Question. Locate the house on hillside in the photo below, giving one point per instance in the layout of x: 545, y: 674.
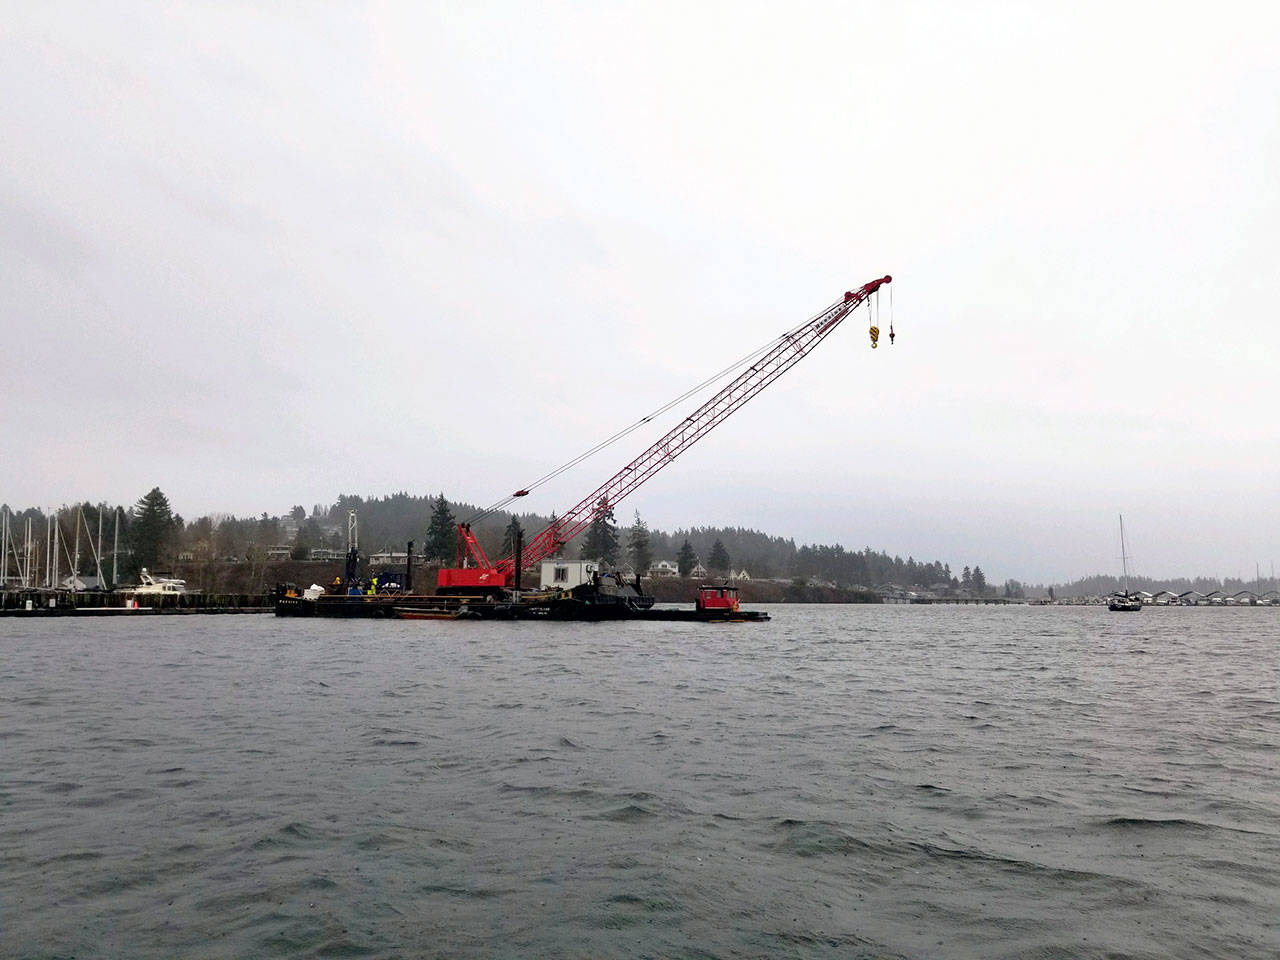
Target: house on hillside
x: 663, y: 569
x: 278, y: 552
x: 698, y: 571
x: 892, y: 593
x: 740, y: 575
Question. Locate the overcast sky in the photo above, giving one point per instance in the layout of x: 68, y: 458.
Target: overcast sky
x: 260, y: 255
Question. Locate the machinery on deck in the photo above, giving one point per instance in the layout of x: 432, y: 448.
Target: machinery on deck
x: 475, y: 575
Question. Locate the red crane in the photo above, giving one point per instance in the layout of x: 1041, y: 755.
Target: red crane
x: 785, y: 353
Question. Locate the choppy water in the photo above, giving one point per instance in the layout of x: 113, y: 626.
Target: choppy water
x: 841, y: 782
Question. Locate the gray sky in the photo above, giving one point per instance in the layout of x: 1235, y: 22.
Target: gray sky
x: 263, y: 254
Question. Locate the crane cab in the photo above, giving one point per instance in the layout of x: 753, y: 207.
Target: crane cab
x: 713, y: 597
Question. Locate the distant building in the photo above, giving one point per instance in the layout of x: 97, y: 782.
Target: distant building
x: 662, y: 569
x: 326, y: 554
x: 698, y: 570
x: 740, y: 575
x: 278, y: 552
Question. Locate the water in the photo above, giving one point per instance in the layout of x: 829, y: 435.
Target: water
x: 841, y: 782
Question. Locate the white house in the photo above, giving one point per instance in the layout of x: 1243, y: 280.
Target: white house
x: 567, y: 574
x: 740, y: 575
x: 662, y: 569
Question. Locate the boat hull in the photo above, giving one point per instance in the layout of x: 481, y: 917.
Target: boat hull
x: 563, y: 608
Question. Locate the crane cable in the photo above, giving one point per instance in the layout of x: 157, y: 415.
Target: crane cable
x: 505, y: 501
x: 891, y: 334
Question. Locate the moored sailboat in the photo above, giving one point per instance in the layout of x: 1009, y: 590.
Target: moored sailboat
x: 1124, y: 602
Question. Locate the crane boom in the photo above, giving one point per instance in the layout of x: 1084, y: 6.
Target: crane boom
x: 785, y: 354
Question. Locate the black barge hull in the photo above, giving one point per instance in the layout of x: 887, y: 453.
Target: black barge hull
x: 401, y: 607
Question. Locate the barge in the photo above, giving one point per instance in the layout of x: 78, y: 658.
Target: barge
x: 604, y: 598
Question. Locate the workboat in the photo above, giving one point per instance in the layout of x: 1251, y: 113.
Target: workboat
x: 1124, y: 602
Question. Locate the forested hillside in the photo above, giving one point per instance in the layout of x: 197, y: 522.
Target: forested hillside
x: 151, y: 534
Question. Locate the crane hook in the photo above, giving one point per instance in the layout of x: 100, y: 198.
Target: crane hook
x: 875, y: 337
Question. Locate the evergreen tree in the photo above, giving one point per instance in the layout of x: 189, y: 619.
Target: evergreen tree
x: 686, y: 559
x: 601, y: 541
x: 719, y: 559
x: 442, y: 533
x: 150, y: 529
x: 308, y: 537
x: 638, y: 547
x: 557, y: 541
x: 268, y: 531
x: 979, y: 582
x: 509, y: 535
x: 966, y: 578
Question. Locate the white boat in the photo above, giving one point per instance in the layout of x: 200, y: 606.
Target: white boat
x: 1124, y: 602
x: 153, y: 586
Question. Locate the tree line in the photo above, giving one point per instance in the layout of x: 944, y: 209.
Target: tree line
x: 152, y: 535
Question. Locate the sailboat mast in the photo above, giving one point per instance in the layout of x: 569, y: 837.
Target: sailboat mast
x: 1124, y: 559
x: 75, y: 564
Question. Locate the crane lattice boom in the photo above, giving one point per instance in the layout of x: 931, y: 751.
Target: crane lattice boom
x: 777, y: 361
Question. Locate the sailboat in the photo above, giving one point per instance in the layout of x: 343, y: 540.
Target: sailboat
x: 1124, y: 603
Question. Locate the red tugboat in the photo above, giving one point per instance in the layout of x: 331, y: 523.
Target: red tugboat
x: 723, y: 599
